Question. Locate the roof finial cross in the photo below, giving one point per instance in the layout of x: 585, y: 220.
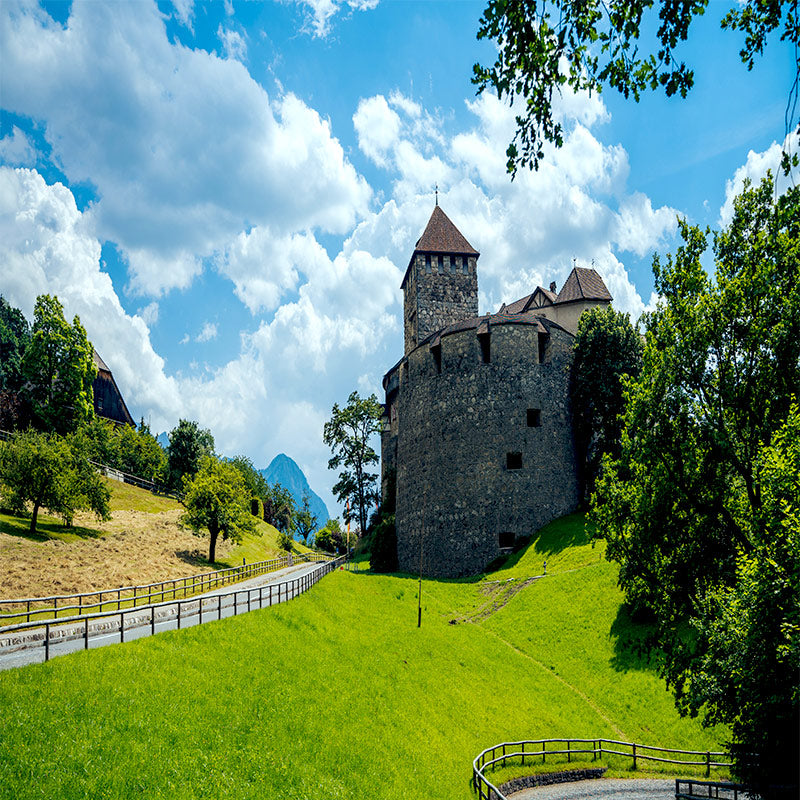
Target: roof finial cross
x: 436, y: 192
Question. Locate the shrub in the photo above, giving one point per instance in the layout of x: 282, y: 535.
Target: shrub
x: 257, y: 507
x: 384, y: 545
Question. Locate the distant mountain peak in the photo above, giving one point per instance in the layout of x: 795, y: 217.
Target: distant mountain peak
x: 284, y: 470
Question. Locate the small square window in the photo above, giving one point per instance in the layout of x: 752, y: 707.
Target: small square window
x: 513, y: 460
x: 534, y: 418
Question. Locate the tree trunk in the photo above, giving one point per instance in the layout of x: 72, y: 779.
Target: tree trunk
x: 212, y: 548
x: 34, y: 516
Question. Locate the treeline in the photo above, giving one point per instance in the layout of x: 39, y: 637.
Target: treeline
x: 46, y: 399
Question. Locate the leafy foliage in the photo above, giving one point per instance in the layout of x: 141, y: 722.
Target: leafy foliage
x: 686, y: 508
x: 58, y: 368
x: 331, y: 538
x: 131, y: 450
x: 347, y: 433
x: 188, y: 444
x: 384, y: 545
x: 216, y: 498
x: 305, y: 521
x: 544, y: 46
x: 279, y: 508
x: 607, y: 348
x: 45, y: 470
x: 14, y: 337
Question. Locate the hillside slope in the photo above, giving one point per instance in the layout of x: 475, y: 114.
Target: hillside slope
x: 383, y: 710
x: 143, y: 542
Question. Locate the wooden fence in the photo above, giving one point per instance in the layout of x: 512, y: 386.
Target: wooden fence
x: 535, y: 749
x: 689, y: 789
x: 145, y: 619
x: 42, y: 608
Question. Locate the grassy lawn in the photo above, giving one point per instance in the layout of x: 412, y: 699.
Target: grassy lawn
x: 339, y: 695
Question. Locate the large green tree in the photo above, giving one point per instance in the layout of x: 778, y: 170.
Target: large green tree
x: 305, y: 519
x: 607, y: 349
x: 216, y: 498
x: 45, y: 470
x: 58, y: 368
x: 347, y: 433
x: 188, y: 444
x: 14, y: 337
x: 545, y: 45
x: 685, y: 509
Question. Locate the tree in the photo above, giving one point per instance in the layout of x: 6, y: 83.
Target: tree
x: 49, y: 471
x: 331, y: 539
x: 14, y: 337
x: 686, y: 508
x: 217, y: 499
x: 305, y: 521
x: 347, y: 433
x: 543, y: 46
x: 607, y: 348
x: 188, y: 444
x: 280, y: 509
x: 58, y: 368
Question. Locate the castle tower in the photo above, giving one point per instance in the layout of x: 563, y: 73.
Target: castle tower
x: 440, y: 286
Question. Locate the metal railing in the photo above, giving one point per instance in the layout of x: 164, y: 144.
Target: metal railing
x: 535, y: 749
x: 145, y: 619
x: 43, y: 608
x: 689, y: 789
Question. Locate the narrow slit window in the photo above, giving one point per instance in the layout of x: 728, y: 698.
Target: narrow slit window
x: 542, y: 347
x: 437, y: 359
x: 513, y: 460
x: 427, y: 262
x: 440, y: 261
x: 486, y: 348
x: 466, y: 265
x: 534, y: 418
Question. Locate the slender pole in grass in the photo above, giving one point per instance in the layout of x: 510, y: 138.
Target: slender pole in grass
x: 421, y: 540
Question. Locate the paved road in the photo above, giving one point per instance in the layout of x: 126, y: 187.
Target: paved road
x: 28, y: 647
x: 601, y: 789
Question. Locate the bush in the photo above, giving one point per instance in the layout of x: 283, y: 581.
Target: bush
x: 384, y: 545
x: 257, y: 507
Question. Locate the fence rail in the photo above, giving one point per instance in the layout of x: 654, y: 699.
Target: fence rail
x: 689, y: 789
x: 42, y: 608
x: 146, y: 618
x: 535, y: 749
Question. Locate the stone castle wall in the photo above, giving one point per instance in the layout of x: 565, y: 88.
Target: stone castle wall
x: 437, y: 294
x: 455, y: 421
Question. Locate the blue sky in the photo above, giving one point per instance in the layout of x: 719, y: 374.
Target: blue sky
x: 228, y: 193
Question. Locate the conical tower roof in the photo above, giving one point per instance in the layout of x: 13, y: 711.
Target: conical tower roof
x: 442, y: 236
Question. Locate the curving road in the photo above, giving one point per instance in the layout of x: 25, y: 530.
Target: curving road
x: 601, y: 789
x: 18, y: 650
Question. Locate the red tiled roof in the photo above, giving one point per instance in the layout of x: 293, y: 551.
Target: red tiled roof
x: 583, y: 284
x: 441, y: 236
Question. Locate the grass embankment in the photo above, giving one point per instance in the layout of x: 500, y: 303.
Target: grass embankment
x: 142, y: 543
x: 339, y: 695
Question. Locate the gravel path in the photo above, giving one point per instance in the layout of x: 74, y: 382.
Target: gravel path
x: 602, y: 788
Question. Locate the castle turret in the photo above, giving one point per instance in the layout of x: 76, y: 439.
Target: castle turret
x: 440, y: 286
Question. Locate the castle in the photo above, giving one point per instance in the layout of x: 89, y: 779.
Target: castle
x: 477, y: 433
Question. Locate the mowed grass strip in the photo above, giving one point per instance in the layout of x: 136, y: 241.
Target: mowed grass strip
x: 336, y: 694
x: 143, y: 543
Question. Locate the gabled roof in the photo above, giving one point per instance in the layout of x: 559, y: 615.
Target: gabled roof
x: 108, y: 400
x: 583, y: 284
x: 442, y: 236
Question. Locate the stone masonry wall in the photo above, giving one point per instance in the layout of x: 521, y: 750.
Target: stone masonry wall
x: 439, y: 297
x: 454, y: 430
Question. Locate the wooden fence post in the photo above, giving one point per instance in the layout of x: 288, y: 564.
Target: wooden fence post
x: 634, y: 755
x: 86, y: 633
x: 47, y: 641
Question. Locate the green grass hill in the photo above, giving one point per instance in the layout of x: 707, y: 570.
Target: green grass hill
x: 338, y: 694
